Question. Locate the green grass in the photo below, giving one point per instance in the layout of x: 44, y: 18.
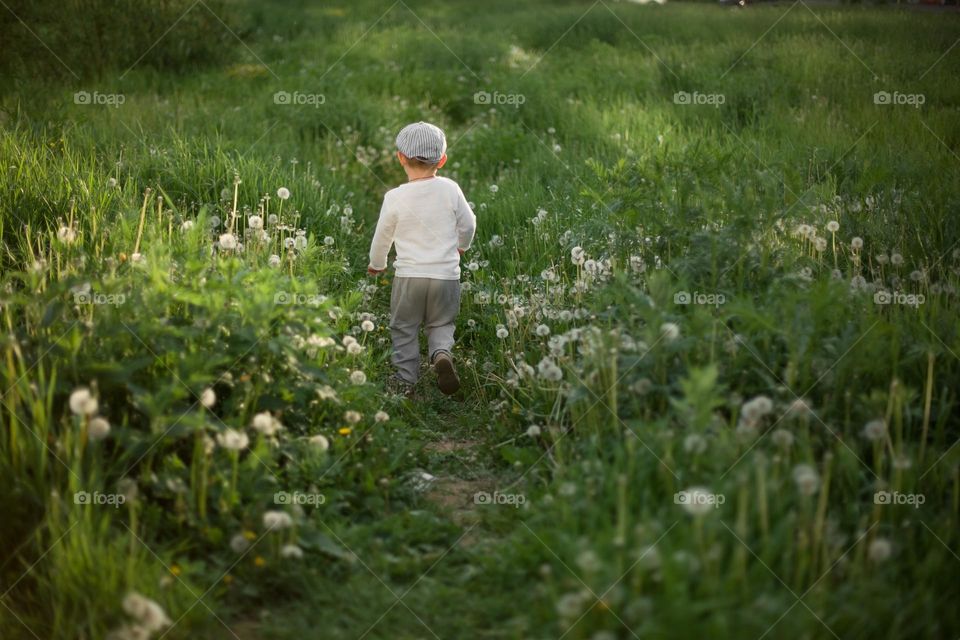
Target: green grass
x: 660, y: 198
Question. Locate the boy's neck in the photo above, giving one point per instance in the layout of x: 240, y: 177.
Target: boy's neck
x: 413, y: 176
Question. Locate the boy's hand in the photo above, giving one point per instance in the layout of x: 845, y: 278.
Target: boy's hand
x: 372, y: 272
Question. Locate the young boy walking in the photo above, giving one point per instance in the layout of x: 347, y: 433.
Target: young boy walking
x: 431, y: 224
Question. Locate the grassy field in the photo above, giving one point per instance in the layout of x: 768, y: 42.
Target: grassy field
x: 709, y: 331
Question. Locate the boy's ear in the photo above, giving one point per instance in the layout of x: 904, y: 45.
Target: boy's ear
x: 443, y: 161
x: 402, y: 158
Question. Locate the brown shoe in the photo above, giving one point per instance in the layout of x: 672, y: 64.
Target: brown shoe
x: 447, y: 379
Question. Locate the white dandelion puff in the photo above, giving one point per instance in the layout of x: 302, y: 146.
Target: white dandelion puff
x: 277, y: 520
x: 98, y: 429
x: 879, y: 550
x: 66, y: 235
x: 266, y: 423
x: 233, y: 440
x: 670, y: 331
x: 147, y: 612
x: 320, y: 442
x: 228, y: 242
x: 82, y: 402
x: 875, y: 430
x: 208, y: 398
x: 291, y: 551
x: 807, y: 479
x: 239, y: 543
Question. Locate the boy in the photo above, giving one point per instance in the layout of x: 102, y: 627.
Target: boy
x: 432, y: 225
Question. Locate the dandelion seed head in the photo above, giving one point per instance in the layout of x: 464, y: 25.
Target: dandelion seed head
x: 82, y: 402
x: 670, y: 331
x: 807, y: 479
x: 147, y: 612
x: 782, y: 438
x: 875, y: 430
x: 266, y: 424
x: 98, y: 429
x: 697, y: 501
x: 208, y: 398
x: 277, y: 520
x: 228, y: 241
x: 879, y: 550
x: 320, y: 442
x: 233, y: 440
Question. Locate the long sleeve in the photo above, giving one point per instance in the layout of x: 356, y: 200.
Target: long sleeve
x: 466, y: 222
x: 383, y: 237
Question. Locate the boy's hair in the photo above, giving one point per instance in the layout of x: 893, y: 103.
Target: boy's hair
x: 417, y: 163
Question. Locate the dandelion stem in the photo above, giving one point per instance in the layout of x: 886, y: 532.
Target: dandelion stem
x: 235, y: 455
x: 233, y: 210
x: 928, y: 399
x: 143, y: 216
x: 821, y: 516
x: 762, y: 501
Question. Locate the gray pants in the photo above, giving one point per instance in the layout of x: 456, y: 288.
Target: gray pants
x: 421, y: 301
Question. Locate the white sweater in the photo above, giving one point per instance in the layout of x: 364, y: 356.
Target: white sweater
x: 427, y: 220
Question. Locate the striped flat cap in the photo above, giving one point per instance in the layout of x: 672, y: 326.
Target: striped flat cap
x: 422, y: 141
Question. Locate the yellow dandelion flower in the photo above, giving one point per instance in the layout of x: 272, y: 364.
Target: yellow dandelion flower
x: 344, y: 431
x: 175, y: 570
x: 249, y: 535
x: 259, y: 561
